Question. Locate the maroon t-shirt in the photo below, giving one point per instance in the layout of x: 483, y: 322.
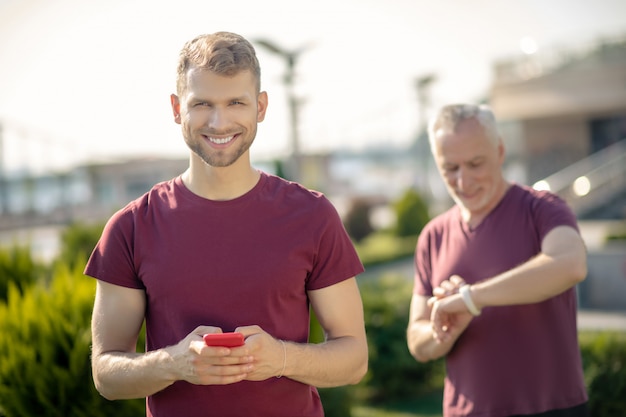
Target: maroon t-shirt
x: 247, y: 261
x: 513, y: 359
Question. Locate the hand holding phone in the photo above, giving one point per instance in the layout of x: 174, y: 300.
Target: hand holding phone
x: 232, y: 339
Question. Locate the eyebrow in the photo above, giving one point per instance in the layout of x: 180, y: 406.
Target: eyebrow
x: 474, y: 160
x: 202, y: 100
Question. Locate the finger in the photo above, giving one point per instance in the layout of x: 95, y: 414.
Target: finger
x: 222, y: 375
x: 431, y: 301
x: 435, y: 321
x: 457, y: 281
x: 439, y: 292
x: 249, y: 330
x: 208, y: 351
x: 438, y: 333
x: 446, y: 285
x: 202, y: 330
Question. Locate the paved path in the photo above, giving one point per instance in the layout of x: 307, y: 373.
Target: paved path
x: 602, y: 320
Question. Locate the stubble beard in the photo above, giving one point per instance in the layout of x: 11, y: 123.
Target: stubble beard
x: 217, y: 158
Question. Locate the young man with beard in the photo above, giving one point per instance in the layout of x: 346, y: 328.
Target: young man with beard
x: 222, y: 248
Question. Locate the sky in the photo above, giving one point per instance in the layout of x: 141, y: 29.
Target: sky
x: 85, y: 80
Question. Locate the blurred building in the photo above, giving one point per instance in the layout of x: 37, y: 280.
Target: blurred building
x: 33, y: 209
x: 563, y: 116
x: 88, y: 193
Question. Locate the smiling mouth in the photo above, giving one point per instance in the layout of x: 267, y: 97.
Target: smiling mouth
x: 220, y: 141
x: 467, y: 195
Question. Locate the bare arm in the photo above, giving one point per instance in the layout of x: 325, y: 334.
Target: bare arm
x: 561, y: 264
x: 420, y: 336
x: 119, y: 372
x: 340, y: 360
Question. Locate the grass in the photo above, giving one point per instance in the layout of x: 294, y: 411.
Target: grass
x: 428, y: 406
x: 380, y: 248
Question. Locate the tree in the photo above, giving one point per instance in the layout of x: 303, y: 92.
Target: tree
x: 411, y: 214
x: 357, y: 221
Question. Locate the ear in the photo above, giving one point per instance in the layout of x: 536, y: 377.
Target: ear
x: 501, y: 151
x: 175, y: 107
x: 261, y: 106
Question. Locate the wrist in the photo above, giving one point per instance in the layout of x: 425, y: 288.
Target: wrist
x: 282, y: 372
x: 466, y: 294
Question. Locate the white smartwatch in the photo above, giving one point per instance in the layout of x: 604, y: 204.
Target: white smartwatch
x: 467, y: 299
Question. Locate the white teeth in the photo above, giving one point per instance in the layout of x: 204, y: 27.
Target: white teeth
x: 221, y: 141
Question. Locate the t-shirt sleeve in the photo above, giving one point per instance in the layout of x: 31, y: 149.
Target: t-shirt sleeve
x: 550, y: 211
x: 336, y: 259
x: 112, y: 259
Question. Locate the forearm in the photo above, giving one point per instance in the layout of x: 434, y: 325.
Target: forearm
x: 123, y: 375
x: 422, y: 344
x: 337, y: 362
x: 538, y: 279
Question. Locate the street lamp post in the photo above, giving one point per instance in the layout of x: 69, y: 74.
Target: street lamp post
x: 422, y: 85
x: 290, y: 58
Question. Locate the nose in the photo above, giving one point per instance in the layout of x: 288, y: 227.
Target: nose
x: 217, y: 118
x: 461, y: 178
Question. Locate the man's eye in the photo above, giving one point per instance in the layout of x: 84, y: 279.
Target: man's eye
x: 201, y: 104
x: 236, y: 102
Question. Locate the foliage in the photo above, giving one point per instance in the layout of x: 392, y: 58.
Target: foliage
x: 17, y: 267
x: 45, y: 348
x: 393, y: 373
x: 381, y: 247
x: 604, y: 363
x: 78, y: 241
x: 422, y: 406
x: 279, y: 167
x: 616, y: 236
x: 411, y: 213
x: 357, y: 220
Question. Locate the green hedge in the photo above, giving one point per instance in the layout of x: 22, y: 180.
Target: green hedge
x: 393, y: 373
x: 45, y: 361
x: 604, y: 362
x: 17, y: 268
x: 381, y: 247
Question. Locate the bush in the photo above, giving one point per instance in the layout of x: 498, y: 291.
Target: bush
x: 393, y: 373
x: 357, y: 221
x: 44, y: 352
x: 411, y: 213
x: 77, y: 242
x: 17, y: 267
x: 604, y: 363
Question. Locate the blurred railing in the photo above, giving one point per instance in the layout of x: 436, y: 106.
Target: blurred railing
x: 591, y: 182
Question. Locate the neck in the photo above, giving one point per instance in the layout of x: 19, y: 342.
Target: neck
x: 220, y: 184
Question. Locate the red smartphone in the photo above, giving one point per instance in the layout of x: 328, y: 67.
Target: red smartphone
x: 233, y: 339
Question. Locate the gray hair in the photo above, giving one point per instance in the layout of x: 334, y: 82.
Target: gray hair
x: 450, y: 116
